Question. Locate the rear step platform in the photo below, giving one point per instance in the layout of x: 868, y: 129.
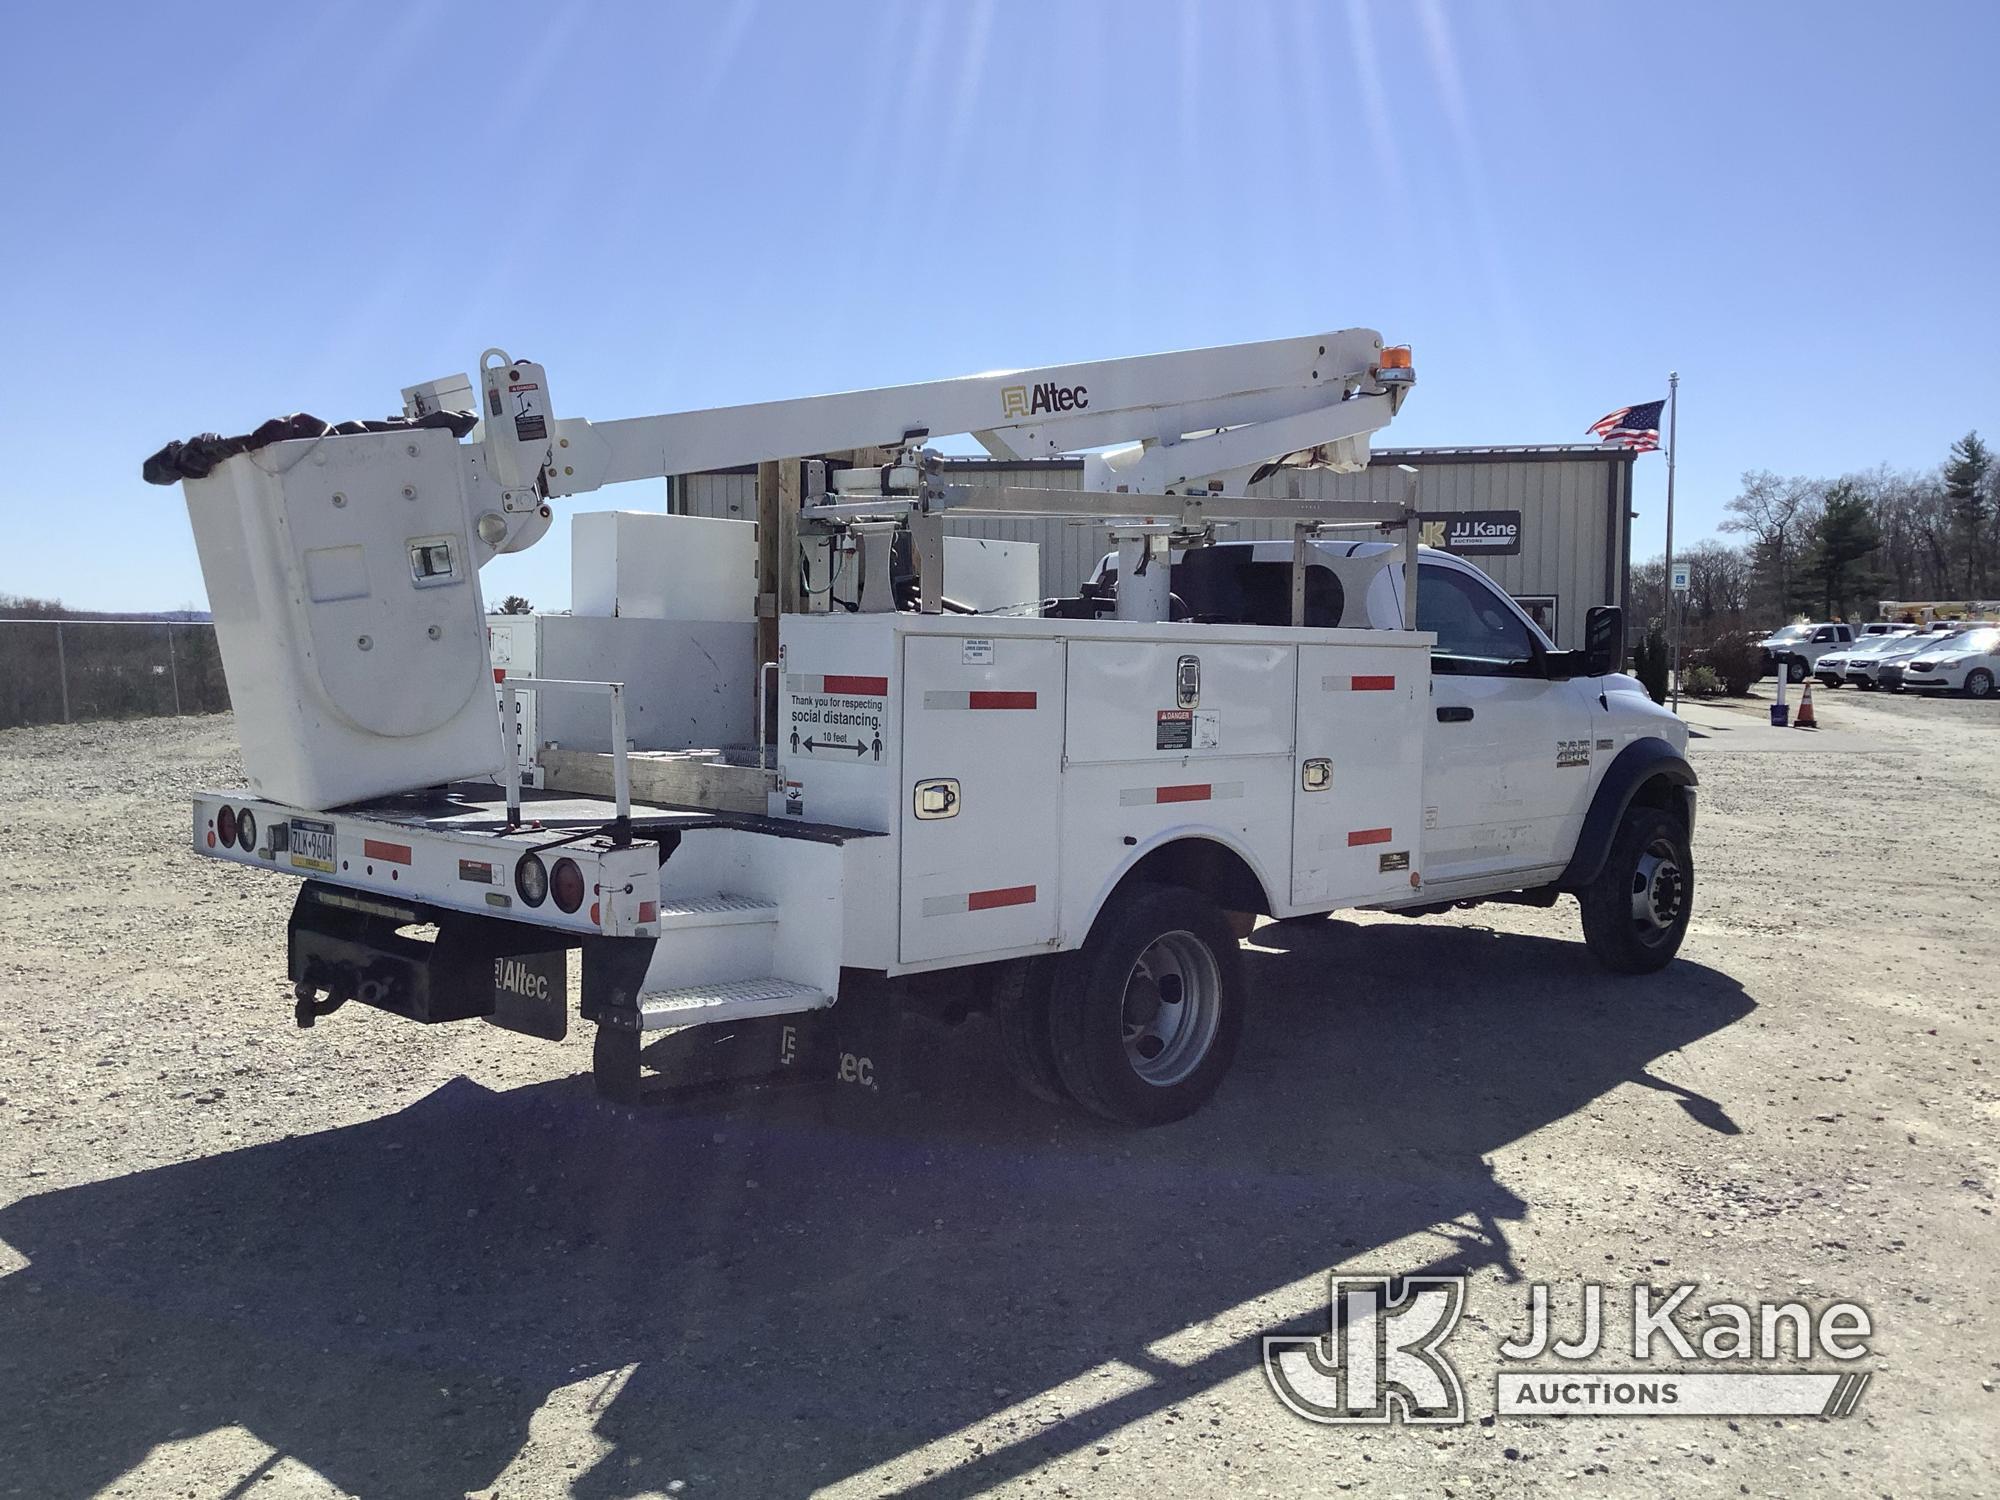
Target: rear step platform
x: 705, y: 1004
x: 714, y: 911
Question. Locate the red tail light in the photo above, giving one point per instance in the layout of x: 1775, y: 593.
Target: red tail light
x: 566, y: 884
x: 225, y: 825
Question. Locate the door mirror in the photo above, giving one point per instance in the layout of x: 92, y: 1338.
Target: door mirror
x: 1603, y: 640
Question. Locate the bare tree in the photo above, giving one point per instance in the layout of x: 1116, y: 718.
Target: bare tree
x: 1776, y: 512
x: 1718, y: 581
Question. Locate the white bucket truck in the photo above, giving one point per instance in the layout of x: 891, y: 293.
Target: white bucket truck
x: 1069, y: 815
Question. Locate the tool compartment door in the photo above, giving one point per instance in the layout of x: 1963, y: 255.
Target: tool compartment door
x: 982, y: 758
x: 1357, y: 786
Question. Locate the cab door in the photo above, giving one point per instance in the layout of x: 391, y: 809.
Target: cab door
x: 1507, y: 765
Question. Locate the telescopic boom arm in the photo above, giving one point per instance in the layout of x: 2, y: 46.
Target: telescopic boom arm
x: 1199, y: 419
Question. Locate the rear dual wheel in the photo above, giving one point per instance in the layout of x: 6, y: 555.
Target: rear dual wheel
x: 1140, y: 1024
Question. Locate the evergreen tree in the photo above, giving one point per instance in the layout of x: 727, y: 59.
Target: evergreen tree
x: 1842, y: 538
x: 1971, y: 500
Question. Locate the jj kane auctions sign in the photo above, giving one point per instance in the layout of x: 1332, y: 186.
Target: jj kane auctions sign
x: 1472, y: 533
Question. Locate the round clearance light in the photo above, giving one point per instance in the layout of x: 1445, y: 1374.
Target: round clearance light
x: 568, y: 884
x: 246, y: 830
x: 225, y: 825
x: 531, y: 879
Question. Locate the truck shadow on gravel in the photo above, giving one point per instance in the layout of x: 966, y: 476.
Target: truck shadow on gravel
x: 777, y: 1293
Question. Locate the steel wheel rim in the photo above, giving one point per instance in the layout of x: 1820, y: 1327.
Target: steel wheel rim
x: 1659, y: 891
x: 1979, y: 684
x: 1171, y: 1008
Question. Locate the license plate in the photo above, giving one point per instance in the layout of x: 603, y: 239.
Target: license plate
x: 312, y: 845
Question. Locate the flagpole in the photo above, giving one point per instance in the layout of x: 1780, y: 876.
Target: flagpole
x: 1673, y: 452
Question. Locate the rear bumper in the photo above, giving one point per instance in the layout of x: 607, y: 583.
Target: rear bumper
x: 406, y: 861
x: 348, y: 947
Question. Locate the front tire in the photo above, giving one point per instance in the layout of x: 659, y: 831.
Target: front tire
x: 1145, y: 1017
x: 1635, y: 913
x: 1795, y: 670
x: 1979, y: 683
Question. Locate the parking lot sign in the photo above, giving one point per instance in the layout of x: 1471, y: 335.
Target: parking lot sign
x: 1681, y: 572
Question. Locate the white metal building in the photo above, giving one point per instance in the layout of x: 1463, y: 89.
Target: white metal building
x: 1550, y: 524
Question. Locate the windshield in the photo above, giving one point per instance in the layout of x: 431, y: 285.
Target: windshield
x: 1970, y: 640
x: 1789, y: 633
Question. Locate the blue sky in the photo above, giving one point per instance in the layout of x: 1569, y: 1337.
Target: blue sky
x: 275, y: 208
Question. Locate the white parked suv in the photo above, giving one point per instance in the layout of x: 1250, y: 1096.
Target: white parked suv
x: 1832, y: 668
x: 1797, y: 648
x: 1967, y: 663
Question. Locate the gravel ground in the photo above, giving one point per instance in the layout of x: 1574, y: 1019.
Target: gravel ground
x: 375, y: 1259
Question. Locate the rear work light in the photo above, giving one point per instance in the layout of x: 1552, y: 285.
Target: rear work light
x: 246, y: 830
x: 567, y: 883
x: 531, y: 879
x: 225, y: 824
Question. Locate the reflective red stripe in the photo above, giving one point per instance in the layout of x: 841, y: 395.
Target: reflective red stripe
x: 499, y: 674
x: 1013, y: 895
x: 649, y: 911
x: 395, y: 854
x: 1182, y: 793
x: 1373, y: 684
x: 1367, y: 836
x: 855, y: 687
x: 1002, y: 700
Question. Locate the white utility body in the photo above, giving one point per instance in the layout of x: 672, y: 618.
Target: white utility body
x: 1066, y: 814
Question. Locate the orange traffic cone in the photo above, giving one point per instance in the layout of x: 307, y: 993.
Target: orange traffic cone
x: 1805, y: 719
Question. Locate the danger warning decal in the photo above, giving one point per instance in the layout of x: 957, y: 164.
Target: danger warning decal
x: 1187, y: 729
x: 836, y: 718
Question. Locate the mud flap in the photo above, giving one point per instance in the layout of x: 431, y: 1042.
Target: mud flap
x: 857, y: 1045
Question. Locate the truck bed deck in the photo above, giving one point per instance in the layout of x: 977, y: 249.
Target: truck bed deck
x: 478, y: 807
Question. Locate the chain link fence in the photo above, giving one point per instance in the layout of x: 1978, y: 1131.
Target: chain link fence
x: 67, y: 671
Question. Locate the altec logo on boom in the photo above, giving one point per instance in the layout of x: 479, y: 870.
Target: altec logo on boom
x: 1020, y: 401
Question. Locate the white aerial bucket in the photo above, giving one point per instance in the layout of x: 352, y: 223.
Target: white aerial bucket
x: 345, y: 590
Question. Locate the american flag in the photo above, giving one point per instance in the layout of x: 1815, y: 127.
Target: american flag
x: 1635, y: 427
